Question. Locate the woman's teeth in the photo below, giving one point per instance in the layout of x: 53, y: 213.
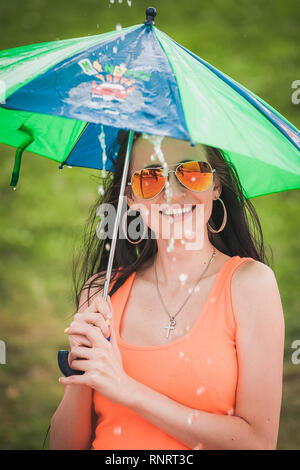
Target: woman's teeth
x: 177, y: 211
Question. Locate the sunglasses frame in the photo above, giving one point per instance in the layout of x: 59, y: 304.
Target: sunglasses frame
x: 173, y: 171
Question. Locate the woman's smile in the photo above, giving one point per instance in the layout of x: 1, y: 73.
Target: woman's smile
x: 177, y: 212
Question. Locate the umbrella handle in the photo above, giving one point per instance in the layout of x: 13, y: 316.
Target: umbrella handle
x: 62, y: 359
x: 62, y: 354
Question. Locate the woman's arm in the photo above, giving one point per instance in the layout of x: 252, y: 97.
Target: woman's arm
x: 71, y: 424
x: 260, y: 346
x: 73, y: 421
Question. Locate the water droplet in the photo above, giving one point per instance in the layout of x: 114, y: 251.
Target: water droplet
x: 118, y: 27
x: 198, y: 446
x: 200, y: 390
x: 183, y: 277
x: 112, y: 1
x: 118, y: 430
x: 190, y: 290
x: 107, y: 246
x: 129, y: 2
x: 97, y: 26
x: 69, y: 166
x: 115, y: 49
x: 189, y: 234
x: 192, y: 417
x: 180, y: 331
x: 170, y: 247
x: 181, y: 354
x: 153, y: 158
x: 101, y: 190
x: 213, y: 299
x: 197, y: 288
x: 174, y: 258
x: 103, y: 146
x: 182, y: 242
x: 230, y: 412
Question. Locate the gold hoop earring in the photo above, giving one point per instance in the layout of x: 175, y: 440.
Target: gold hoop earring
x: 124, y: 231
x: 224, y: 219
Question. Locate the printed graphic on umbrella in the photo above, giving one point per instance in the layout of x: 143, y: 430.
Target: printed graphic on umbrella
x: 61, y: 96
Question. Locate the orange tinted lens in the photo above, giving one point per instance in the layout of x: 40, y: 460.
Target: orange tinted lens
x: 195, y: 175
x: 147, y: 183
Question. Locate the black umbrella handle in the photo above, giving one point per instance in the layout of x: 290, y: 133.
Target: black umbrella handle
x: 62, y: 359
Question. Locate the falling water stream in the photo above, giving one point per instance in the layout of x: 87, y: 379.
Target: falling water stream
x: 104, y: 158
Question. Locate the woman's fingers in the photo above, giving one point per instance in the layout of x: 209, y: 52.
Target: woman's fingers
x: 79, y: 340
x: 96, y: 319
x: 100, y: 305
x: 80, y: 353
x: 81, y: 364
x: 92, y: 334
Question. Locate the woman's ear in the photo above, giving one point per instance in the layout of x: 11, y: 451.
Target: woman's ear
x: 217, y: 188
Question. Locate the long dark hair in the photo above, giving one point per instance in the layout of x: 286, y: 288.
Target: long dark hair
x: 241, y: 236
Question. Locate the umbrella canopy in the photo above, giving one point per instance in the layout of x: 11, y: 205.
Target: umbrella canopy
x: 60, y: 95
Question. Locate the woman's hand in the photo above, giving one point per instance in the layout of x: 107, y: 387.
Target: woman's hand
x: 91, y: 316
x: 102, y: 361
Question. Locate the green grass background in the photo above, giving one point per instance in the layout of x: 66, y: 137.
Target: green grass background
x: 254, y: 42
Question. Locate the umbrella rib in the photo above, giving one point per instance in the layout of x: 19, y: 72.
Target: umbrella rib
x: 77, y: 140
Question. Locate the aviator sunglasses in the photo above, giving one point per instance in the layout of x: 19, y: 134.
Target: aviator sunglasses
x: 148, y: 183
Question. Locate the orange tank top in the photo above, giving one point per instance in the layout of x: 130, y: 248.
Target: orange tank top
x: 198, y: 370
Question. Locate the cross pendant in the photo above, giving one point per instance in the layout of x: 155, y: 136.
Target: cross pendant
x: 170, y: 326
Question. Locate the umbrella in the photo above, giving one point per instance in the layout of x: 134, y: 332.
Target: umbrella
x: 67, y: 100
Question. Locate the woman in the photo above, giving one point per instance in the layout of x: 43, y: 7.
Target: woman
x: 195, y: 356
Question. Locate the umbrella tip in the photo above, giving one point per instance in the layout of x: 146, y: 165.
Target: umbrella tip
x: 150, y: 14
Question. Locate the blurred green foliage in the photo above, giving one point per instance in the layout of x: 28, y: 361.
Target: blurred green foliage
x: 257, y: 44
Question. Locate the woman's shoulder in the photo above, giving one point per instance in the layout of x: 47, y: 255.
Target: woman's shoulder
x: 253, y: 289
x: 251, y: 272
x: 90, y: 289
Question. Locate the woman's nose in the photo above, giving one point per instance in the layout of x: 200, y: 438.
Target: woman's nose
x: 176, y: 189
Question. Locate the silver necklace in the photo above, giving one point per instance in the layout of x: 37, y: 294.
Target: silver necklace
x: 172, y: 322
